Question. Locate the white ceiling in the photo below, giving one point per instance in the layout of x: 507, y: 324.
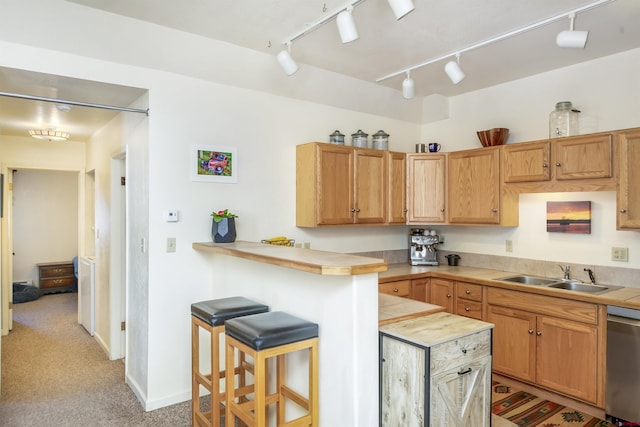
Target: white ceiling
x: 435, y: 28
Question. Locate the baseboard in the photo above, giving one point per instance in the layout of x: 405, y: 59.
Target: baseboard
x: 554, y: 397
x: 135, y: 387
x: 102, y: 343
x: 151, y: 405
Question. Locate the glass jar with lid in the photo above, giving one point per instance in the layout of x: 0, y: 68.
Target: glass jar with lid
x: 563, y: 121
x: 360, y: 139
x: 336, y: 138
x: 380, y: 140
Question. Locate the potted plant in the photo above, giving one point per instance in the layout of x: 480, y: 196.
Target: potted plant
x: 223, y: 227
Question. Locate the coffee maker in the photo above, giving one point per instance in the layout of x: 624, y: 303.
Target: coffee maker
x: 422, y: 247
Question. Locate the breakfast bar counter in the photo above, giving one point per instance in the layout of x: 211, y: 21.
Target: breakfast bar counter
x: 339, y: 292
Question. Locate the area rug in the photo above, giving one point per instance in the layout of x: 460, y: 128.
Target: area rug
x: 526, y: 410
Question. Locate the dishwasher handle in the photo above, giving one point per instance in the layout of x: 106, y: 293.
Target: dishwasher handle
x: 623, y: 320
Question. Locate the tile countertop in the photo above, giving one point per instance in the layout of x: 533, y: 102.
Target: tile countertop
x: 623, y: 297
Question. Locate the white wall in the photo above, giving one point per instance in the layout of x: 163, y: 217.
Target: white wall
x: 45, y: 220
x: 607, y: 91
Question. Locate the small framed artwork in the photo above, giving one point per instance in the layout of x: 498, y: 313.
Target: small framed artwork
x: 569, y: 217
x: 211, y: 163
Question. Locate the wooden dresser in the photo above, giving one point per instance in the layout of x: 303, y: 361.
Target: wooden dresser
x: 56, y: 276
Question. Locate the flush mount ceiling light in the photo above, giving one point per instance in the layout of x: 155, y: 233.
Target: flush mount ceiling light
x: 408, y: 87
x: 347, y: 26
x: 456, y: 74
x: 401, y: 7
x: 571, y: 38
x: 50, y: 134
x: 454, y: 71
x: 286, y: 61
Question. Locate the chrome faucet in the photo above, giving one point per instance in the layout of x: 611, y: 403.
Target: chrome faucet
x: 567, y: 271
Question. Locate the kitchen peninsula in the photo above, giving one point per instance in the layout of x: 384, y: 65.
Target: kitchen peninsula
x: 337, y: 291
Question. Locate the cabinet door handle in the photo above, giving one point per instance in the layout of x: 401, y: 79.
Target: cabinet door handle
x: 468, y: 291
x: 395, y: 289
x: 545, y: 165
x: 558, y: 164
x: 539, y: 333
x: 357, y: 209
x: 466, y: 371
x: 467, y: 309
x: 353, y: 209
x: 448, y: 295
x: 530, y: 331
x: 442, y: 210
x: 623, y: 210
x: 494, y: 210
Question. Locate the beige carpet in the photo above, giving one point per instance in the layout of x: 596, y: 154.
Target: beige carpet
x: 55, y: 374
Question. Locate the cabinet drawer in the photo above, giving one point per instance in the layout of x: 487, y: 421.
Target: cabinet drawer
x: 460, y: 351
x: 399, y: 289
x: 469, y: 291
x: 57, y: 282
x: 56, y: 271
x: 468, y: 308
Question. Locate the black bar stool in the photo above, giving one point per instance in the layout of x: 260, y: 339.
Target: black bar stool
x: 211, y: 316
x: 261, y: 337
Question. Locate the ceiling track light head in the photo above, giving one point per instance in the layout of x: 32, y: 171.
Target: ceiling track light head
x: 347, y: 25
x: 571, y: 38
x: 401, y: 8
x: 287, y: 63
x: 453, y: 70
x: 408, y: 87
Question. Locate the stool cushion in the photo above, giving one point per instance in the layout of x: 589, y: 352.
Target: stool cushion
x: 216, y: 312
x: 267, y: 330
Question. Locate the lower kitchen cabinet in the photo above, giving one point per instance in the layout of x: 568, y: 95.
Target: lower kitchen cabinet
x: 431, y: 379
x: 550, y: 342
x: 441, y: 293
x: 420, y: 289
x: 400, y: 288
x: 469, y: 297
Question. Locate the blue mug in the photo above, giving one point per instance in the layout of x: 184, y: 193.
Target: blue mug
x: 434, y: 147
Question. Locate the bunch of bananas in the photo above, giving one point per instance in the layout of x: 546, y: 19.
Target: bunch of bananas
x: 279, y: 240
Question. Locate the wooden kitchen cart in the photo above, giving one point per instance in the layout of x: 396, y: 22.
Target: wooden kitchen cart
x: 56, y: 276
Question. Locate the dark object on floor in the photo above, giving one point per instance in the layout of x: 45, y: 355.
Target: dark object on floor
x: 25, y: 293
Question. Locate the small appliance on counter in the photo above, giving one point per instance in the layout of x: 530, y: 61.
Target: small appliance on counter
x: 422, y: 247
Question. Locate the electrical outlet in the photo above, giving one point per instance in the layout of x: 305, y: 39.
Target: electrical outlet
x: 306, y: 245
x: 171, y: 244
x: 620, y: 254
x: 508, y: 245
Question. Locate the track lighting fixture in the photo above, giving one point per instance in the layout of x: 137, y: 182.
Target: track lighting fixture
x: 408, y: 87
x: 401, y: 7
x: 571, y: 38
x: 286, y: 61
x: 454, y: 71
x: 346, y: 25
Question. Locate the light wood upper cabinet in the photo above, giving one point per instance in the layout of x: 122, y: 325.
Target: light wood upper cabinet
x: 474, y: 186
x: 583, y: 157
x: 426, y: 189
x: 628, y: 217
x: 370, y: 180
x: 526, y: 162
x: 338, y: 185
x: 396, y: 188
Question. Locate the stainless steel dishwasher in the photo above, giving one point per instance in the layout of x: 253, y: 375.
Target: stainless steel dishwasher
x: 623, y: 364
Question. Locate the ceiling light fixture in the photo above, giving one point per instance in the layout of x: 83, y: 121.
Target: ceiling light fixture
x: 453, y: 70
x: 50, y: 134
x: 408, y: 87
x: 346, y: 25
x: 571, y: 38
x: 287, y: 63
x: 493, y: 40
x: 401, y: 7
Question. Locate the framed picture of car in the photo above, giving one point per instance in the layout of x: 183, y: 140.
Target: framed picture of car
x: 212, y: 163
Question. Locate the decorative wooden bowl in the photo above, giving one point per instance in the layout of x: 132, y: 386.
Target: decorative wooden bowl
x: 493, y: 137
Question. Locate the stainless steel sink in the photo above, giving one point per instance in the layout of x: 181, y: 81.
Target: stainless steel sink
x: 528, y: 280
x: 579, y: 287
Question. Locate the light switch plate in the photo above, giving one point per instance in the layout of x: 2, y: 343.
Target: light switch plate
x: 620, y: 254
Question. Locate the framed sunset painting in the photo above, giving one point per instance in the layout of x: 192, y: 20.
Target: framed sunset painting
x: 569, y: 217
